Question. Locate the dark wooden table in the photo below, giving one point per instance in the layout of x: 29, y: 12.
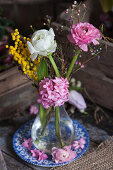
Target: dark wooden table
x: 9, y: 126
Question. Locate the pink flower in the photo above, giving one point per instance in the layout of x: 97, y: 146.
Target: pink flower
x: 79, y: 144
x: 63, y: 155
x: 83, y: 34
x: 39, y: 155
x: 53, y: 92
x: 77, y: 100
x: 33, y: 109
x: 35, y: 153
x: 27, y: 143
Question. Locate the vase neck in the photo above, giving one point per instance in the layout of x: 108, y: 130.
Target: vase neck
x: 63, y: 112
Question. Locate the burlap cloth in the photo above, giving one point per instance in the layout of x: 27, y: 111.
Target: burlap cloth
x: 100, y: 159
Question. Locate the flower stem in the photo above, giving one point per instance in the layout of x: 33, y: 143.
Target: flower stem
x: 58, y: 126
x: 42, y: 115
x: 72, y: 65
x: 46, y: 120
x: 54, y: 65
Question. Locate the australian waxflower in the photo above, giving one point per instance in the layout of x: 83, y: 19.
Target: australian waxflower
x: 42, y: 43
x: 83, y: 34
x: 21, y: 54
x: 53, y: 92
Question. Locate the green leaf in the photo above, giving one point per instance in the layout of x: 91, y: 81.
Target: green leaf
x: 2, y: 32
x: 42, y: 70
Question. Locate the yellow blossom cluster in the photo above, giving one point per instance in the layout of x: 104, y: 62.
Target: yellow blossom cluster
x: 22, y: 55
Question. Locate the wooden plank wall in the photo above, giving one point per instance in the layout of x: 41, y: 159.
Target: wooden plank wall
x: 16, y: 92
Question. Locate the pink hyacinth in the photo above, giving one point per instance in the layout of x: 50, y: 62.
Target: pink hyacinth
x: 83, y: 34
x: 53, y: 92
x: 33, y: 109
x: 39, y: 155
x: 79, y: 144
x: 27, y: 143
x: 63, y: 155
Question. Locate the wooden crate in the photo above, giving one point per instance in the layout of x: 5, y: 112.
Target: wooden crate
x: 16, y: 92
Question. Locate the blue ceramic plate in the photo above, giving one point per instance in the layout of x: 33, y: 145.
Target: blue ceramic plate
x: 25, y: 132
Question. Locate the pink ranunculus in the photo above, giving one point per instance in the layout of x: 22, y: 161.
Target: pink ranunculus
x: 77, y: 100
x: 63, y: 155
x: 53, y: 92
x: 83, y: 34
x: 79, y: 144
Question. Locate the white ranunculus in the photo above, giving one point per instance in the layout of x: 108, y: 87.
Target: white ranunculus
x: 42, y: 43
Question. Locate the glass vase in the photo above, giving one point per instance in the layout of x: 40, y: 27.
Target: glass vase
x: 48, y: 139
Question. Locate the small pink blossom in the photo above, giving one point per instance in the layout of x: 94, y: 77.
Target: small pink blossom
x: 63, y: 155
x: 35, y: 153
x: 79, y: 144
x: 27, y: 143
x: 39, y: 155
x: 33, y: 109
x: 83, y: 34
x: 53, y: 92
x: 82, y: 66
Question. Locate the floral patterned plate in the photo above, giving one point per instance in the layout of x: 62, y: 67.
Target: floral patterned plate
x: 25, y: 132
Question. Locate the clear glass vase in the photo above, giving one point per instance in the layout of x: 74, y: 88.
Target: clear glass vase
x: 49, y: 139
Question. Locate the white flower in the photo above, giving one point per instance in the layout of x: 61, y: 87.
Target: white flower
x: 42, y: 43
x: 77, y: 100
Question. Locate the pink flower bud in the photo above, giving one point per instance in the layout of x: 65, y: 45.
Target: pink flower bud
x: 77, y: 100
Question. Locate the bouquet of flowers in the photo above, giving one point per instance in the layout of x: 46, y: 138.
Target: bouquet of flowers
x: 38, y: 60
